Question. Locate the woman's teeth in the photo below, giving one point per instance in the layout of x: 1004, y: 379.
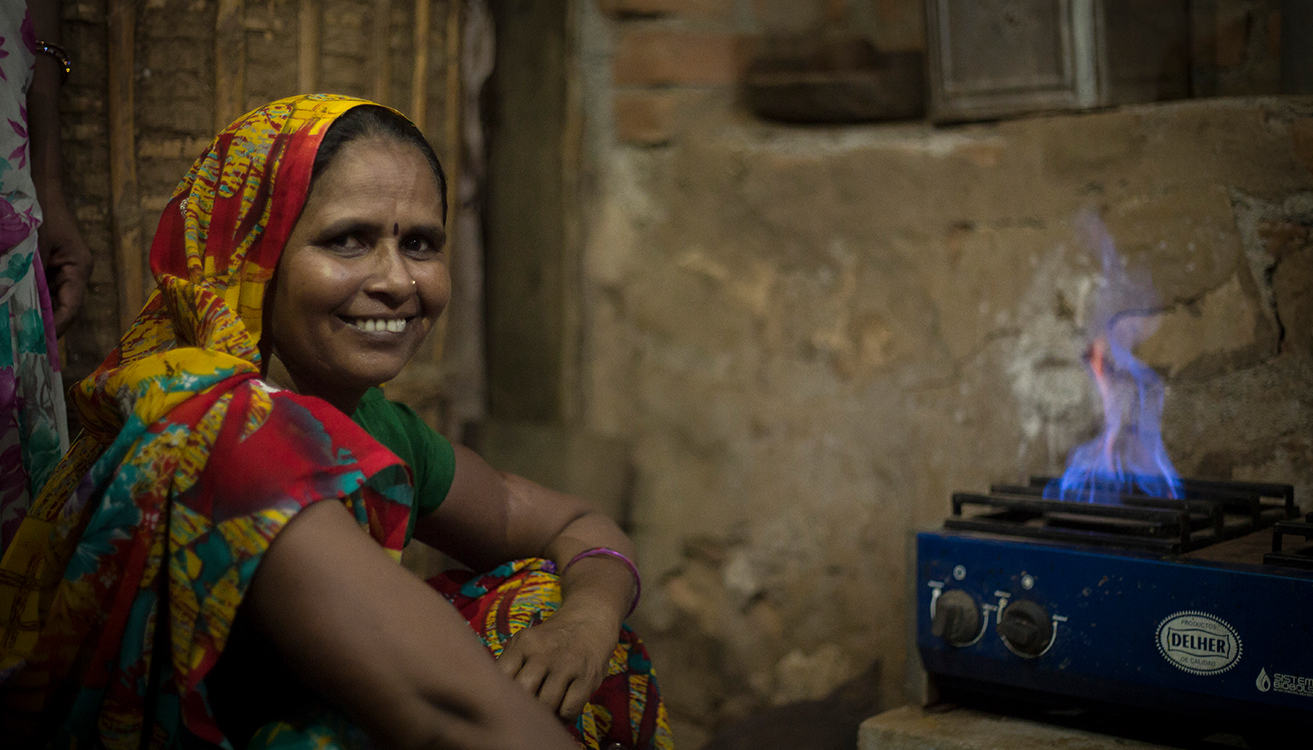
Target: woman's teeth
x: 391, y: 325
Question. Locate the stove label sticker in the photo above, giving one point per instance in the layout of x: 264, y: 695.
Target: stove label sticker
x: 1198, y: 643
x: 1285, y: 683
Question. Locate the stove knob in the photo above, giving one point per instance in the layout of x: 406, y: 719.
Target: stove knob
x: 957, y: 618
x: 1025, y: 627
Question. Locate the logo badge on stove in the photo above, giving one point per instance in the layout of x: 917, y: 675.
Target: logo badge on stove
x: 1198, y: 643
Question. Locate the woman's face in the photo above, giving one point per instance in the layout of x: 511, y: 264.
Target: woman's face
x: 363, y: 275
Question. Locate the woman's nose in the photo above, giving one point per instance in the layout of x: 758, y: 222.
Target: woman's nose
x: 390, y: 273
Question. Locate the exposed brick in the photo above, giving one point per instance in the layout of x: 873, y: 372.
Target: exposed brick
x: 1274, y: 35
x: 709, y: 10
x: 789, y: 16
x: 899, y: 25
x: 1290, y: 287
x: 660, y: 57
x: 1301, y: 140
x: 648, y: 118
x: 1283, y: 237
x: 1232, y: 36
x: 170, y: 148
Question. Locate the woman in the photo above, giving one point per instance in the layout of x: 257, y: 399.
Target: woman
x: 44, y: 264
x: 299, y: 265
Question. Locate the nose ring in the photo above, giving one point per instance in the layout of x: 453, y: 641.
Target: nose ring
x: 413, y: 282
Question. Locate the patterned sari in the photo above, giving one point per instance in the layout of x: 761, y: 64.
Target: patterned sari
x: 120, y: 587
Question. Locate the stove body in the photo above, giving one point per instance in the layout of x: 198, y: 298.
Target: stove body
x: 1179, y: 617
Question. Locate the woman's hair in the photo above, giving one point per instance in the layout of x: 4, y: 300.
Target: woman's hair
x: 368, y: 121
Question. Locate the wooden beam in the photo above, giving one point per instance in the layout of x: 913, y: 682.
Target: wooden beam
x: 308, y: 25
x: 381, y: 52
x: 419, y: 78
x: 451, y: 158
x: 572, y: 164
x: 524, y: 248
x: 125, y: 210
x: 454, y: 121
x: 229, y: 62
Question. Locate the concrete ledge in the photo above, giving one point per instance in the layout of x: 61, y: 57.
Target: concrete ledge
x: 914, y: 728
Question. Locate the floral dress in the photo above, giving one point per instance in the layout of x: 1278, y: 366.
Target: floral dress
x: 33, y: 432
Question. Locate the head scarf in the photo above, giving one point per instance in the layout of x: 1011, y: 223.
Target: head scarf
x: 189, y: 468
x: 214, y: 252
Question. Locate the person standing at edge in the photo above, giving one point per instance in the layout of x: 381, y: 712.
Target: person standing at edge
x: 43, y: 259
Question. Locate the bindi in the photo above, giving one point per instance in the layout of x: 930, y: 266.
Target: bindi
x: 396, y: 229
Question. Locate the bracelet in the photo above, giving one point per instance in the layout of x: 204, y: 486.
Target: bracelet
x: 60, y: 55
x: 608, y: 552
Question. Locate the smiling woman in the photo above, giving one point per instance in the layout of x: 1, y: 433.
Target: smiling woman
x: 363, y: 275
x: 179, y: 580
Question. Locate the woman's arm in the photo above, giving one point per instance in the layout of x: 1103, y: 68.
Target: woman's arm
x: 383, y: 646
x: 67, y: 260
x: 490, y: 517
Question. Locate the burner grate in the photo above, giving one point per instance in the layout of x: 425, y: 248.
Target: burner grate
x: 1210, y: 512
x: 1298, y: 558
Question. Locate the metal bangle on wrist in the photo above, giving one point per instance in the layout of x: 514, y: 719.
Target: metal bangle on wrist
x: 61, y: 57
x: 608, y: 552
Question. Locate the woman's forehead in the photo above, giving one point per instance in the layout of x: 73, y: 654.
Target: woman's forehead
x: 376, y: 168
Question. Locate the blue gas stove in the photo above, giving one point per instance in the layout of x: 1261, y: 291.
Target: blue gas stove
x: 1199, y: 608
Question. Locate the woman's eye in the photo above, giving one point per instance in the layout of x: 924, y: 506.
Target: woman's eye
x: 347, y: 244
x: 419, y: 247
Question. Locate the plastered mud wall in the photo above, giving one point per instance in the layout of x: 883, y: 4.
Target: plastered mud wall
x: 813, y: 336
x: 812, y: 339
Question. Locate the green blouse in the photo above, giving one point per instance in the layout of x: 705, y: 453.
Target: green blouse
x: 430, y: 456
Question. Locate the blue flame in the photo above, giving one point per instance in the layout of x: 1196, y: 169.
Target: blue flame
x: 1128, y: 455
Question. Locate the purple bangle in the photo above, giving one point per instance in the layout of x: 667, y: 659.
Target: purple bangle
x: 607, y: 551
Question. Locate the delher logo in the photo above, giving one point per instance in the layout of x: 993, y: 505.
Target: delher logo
x: 1198, y: 643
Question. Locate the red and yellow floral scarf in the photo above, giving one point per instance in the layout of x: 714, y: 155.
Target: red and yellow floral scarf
x: 161, y: 512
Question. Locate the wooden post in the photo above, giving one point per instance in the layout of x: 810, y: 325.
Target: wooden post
x: 381, y: 52
x: 454, y: 115
x: 229, y: 63
x: 308, y: 22
x: 572, y: 164
x: 451, y: 132
x: 419, y: 79
x: 125, y: 208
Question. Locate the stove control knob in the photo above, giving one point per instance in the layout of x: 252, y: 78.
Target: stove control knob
x: 957, y: 618
x: 1025, y: 627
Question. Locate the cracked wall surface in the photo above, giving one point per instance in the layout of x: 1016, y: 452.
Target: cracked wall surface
x: 813, y: 337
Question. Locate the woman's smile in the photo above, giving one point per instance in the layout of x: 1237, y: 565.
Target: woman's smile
x: 363, y: 275
x: 379, y: 325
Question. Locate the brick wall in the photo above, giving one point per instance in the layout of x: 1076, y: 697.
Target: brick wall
x: 671, y: 56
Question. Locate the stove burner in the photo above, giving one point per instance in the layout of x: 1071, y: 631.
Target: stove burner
x: 1115, y: 606
x: 1210, y: 512
x: 1299, y: 558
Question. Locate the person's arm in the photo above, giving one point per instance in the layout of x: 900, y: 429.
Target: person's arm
x: 67, y: 260
x: 490, y: 517
x: 383, y: 646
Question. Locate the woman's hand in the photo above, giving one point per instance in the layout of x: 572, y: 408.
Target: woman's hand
x: 491, y: 517
x: 67, y: 260
x: 563, y: 660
